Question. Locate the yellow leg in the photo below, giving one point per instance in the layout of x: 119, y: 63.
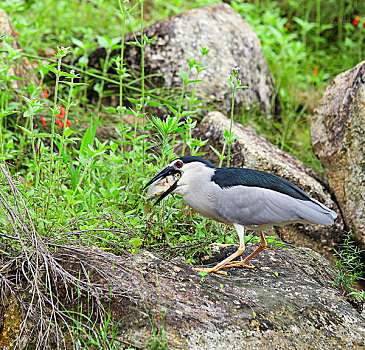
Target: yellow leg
x: 243, y: 263
x: 241, y: 233
x: 222, y: 264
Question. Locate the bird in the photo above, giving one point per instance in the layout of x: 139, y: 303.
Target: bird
x: 240, y: 197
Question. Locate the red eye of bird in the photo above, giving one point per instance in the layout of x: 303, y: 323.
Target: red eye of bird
x: 179, y: 164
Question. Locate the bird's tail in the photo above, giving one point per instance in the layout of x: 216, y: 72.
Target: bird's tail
x: 318, y: 213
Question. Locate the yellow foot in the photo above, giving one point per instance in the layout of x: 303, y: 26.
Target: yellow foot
x: 208, y: 270
x: 237, y: 264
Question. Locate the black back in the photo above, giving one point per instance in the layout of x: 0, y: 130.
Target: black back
x: 229, y: 177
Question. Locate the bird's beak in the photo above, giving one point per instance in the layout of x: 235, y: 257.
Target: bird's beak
x: 163, y: 187
x: 161, y: 175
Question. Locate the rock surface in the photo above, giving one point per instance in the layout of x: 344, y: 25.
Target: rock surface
x: 253, y: 151
x: 338, y: 139
x: 287, y: 302
x: 232, y: 43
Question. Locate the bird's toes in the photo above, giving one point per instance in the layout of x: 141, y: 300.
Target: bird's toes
x: 238, y: 264
x: 209, y: 270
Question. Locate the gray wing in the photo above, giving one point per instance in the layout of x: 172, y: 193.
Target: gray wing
x: 256, y: 206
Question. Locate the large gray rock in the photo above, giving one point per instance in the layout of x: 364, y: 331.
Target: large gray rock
x: 338, y: 139
x: 287, y: 302
x: 253, y: 151
x: 232, y: 43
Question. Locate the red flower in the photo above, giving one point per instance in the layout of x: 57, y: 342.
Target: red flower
x: 43, y: 121
x: 68, y: 123
x: 315, y: 71
x: 62, y: 112
x: 356, y: 21
x: 59, y: 123
x: 16, y: 33
x: 45, y: 93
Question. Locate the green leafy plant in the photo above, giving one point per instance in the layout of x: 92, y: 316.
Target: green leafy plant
x: 348, y: 265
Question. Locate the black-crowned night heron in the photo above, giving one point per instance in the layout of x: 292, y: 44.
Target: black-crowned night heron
x: 240, y: 197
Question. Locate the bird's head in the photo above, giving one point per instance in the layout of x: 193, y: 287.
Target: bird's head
x: 167, y: 180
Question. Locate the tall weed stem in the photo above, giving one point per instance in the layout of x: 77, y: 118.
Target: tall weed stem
x: 62, y: 52
x: 229, y: 138
x: 62, y: 143
x: 199, y: 67
x: 230, y: 127
x: 121, y: 62
x: 2, y: 113
x: 185, y: 83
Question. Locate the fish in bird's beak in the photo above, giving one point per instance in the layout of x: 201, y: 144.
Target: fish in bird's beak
x: 159, y: 187
x: 162, y: 184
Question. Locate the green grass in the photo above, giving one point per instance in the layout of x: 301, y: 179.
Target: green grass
x: 300, y: 42
x: 81, y: 189
x: 348, y: 266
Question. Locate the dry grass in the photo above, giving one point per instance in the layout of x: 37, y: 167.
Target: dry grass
x: 32, y: 277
